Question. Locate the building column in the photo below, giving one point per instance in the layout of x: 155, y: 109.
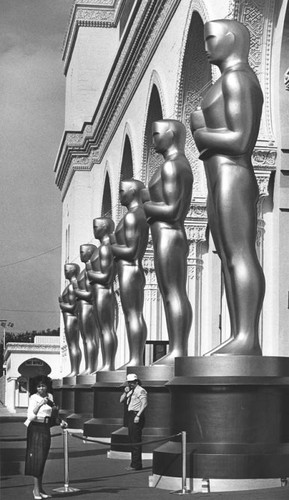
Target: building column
x: 195, y: 226
x: 10, y: 394
x: 153, y: 312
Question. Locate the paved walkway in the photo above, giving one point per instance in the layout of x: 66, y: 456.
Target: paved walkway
x: 90, y: 471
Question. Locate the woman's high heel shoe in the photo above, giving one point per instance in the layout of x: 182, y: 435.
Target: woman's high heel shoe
x: 36, y: 497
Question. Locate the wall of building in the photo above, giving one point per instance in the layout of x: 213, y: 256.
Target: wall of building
x: 84, y: 197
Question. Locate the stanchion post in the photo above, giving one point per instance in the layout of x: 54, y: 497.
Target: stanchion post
x: 184, y: 490
x: 66, y: 488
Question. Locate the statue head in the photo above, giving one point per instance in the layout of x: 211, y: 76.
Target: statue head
x: 71, y: 270
x: 167, y: 133
x: 102, y: 226
x: 226, y: 39
x: 129, y: 190
x: 86, y: 251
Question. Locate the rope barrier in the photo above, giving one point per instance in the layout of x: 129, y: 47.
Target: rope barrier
x: 66, y: 488
x: 7, y: 440
x: 141, y: 443
x: 184, y: 490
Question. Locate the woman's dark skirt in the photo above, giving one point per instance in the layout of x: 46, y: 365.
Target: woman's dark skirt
x: 38, y: 444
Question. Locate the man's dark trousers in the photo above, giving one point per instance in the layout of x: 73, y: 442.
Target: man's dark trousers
x: 135, y: 436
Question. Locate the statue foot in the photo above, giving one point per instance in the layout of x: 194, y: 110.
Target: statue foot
x: 240, y: 345
x: 107, y: 368
x: 213, y: 351
x: 169, y: 358
x: 71, y: 374
x: 85, y: 372
x: 132, y: 362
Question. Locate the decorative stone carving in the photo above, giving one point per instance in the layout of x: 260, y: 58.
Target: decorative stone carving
x: 258, y: 17
x: 286, y: 79
x: 152, y: 18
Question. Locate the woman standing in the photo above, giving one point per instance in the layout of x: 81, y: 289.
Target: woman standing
x: 38, y: 424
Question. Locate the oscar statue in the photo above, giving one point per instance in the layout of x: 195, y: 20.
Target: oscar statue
x: 87, y: 323
x: 68, y: 306
x: 101, y: 274
x: 225, y: 131
x: 170, y: 191
x: 129, y: 244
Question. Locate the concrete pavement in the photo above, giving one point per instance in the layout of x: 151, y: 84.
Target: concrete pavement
x: 90, y: 471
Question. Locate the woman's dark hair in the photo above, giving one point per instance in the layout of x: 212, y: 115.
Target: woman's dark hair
x: 40, y: 379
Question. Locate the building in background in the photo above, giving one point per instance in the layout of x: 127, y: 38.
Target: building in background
x: 23, y: 361
x: 128, y: 63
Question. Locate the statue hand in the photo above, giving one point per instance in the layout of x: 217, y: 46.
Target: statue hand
x: 197, y: 120
x: 74, y: 283
x: 145, y: 196
x: 112, y: 238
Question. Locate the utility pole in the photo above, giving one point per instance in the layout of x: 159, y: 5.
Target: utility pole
x: 4, y: 323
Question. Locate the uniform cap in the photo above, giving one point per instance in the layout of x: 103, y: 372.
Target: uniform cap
x: 131, y: 377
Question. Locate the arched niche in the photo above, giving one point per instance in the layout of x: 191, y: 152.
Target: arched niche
x: 152, y: 159
x: 284, y: 86
x: 126, y: 171
x: 195, y: 80
x: 106, y: 208
x: 34, y: 367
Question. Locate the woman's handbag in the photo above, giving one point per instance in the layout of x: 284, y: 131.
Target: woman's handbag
x: 55, y: 419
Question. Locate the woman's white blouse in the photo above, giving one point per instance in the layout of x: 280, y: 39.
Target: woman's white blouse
x: 44, y: 411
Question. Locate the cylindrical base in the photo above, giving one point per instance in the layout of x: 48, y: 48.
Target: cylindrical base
x: 235, y: 411
x: 157, y: 414
x: 83, y: 406
x: 107, y: 411
x: 67, y: 398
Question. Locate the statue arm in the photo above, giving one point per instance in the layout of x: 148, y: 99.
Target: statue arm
x: 106, y: 267
x: 79, y: 293
x: 239, y: 109
x: 83, y: 294
x: 70, y: 305
x: 167, y: 209
x: 131, y: 234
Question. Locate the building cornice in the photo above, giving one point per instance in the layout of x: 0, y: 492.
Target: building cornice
x: 93, y: 14
x: 13, y: 347
x: 80, y: 150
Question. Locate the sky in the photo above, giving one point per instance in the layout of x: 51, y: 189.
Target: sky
x: 32, y: 103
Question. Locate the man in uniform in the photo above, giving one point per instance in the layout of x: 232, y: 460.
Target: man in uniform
x: 135, y: 397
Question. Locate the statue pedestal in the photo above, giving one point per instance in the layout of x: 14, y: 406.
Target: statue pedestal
x: 157, y: 414
x: 83, y: 401
x: 107, y: 411
x: 235, y: 411
x: 66, y: 397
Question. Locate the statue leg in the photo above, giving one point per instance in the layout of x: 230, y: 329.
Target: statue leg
x: 214, y: 228
x: 171, y: 249
x: 106, y: 308
x: 72, y: 339
x: 235, y: 202
x: 82, y: 328
x: 92, y: 339
x: 132, y: 282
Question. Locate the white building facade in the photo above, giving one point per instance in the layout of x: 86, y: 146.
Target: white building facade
x: 128, y: 63
x: 23, y: 361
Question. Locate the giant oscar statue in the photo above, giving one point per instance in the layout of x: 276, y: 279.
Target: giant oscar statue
x: 68, y: 306
x: 128, y: 246
x: 170, y: 190
x: 101, y: 273
x: 87, y: 324
x: 225, y: 131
